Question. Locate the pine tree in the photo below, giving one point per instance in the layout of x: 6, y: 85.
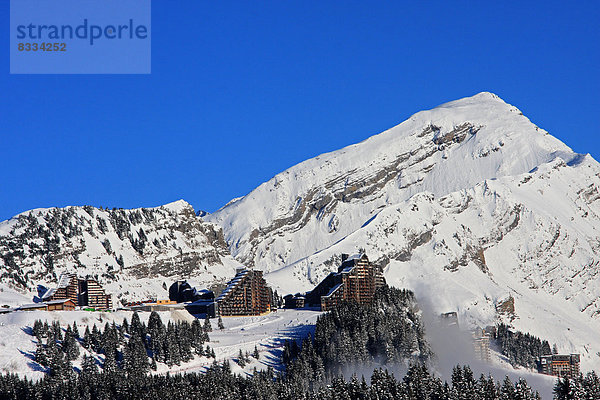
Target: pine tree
x: 75, y: 331
x: 182, y: 334
x: 109, y: 367
x: 56, y: 331
x: 507, y: 389
x: 109, y: 339
x: 38, y: 329
x: 87, y: 340
x: 137, y: 328
x: 241, y: 359
x: 41, y: 356
x: 125, y: 326
x: 220, y: 323
x: 207, y: 325
x: 255, y: 354
x: 89, y: 370
x: 154, y: 322
x: 135, y: 358
x: 172, y: 346
x: 70, y: 346
x: 591, y: 385
x: 60, y: 366
x: 197, y: 336
x: 95, y: 339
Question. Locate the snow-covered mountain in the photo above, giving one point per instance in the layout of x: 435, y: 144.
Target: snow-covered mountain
x: 135, y: 253
x: 320, y: 201
x: 469, y: 204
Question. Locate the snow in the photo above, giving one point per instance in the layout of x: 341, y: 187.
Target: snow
x: 546, y: 261
x: 11, y: 297
x: 502, y: 128
x: 177, y: 206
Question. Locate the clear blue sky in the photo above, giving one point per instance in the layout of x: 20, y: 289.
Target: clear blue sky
x: 240, y: 91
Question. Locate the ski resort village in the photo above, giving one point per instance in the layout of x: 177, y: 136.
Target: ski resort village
x: 455, y: 253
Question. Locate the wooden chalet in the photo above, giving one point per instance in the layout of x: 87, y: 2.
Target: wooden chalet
x: 246, y: 294
x: 60, y: 305
x: 52, y: 305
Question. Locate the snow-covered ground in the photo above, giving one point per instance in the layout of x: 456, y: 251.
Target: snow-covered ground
x: 12, y: 298
x: 267, y: 332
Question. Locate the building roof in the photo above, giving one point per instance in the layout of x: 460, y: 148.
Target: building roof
x: 64, y: 280
x: 33, y: 305
x: 333, y: 289
x: 347, y: 270
x: 49, y: 293
x: 59, y: 301
x: 356, y: 256
x: 200, y: 302
x: 350, y: 262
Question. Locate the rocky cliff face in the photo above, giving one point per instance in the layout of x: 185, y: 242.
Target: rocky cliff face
x: 132, y: 251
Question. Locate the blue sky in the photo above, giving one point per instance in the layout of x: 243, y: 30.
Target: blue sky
x: 240, y: 91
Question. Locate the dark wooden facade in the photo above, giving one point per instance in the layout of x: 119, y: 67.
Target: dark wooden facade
x: 357, y: 280
x: 82, y: 292
x: 96, y: 297
x: 246, y: 294
x: 67, y: 288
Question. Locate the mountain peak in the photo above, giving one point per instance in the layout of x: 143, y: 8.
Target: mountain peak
x: 177, y: 205
x: 479, y: 98
x: 445, y: 149
x: 487, y: 96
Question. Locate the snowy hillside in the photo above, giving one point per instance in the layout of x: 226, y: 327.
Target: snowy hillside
x: 267, y: 333
x: 135, y: 253
x: 467, y: 204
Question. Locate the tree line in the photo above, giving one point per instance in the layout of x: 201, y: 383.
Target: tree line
x: 218, y: 382
x: 520, y: 348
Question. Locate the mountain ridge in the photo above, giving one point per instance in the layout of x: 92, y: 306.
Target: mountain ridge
x: 135, y: 253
